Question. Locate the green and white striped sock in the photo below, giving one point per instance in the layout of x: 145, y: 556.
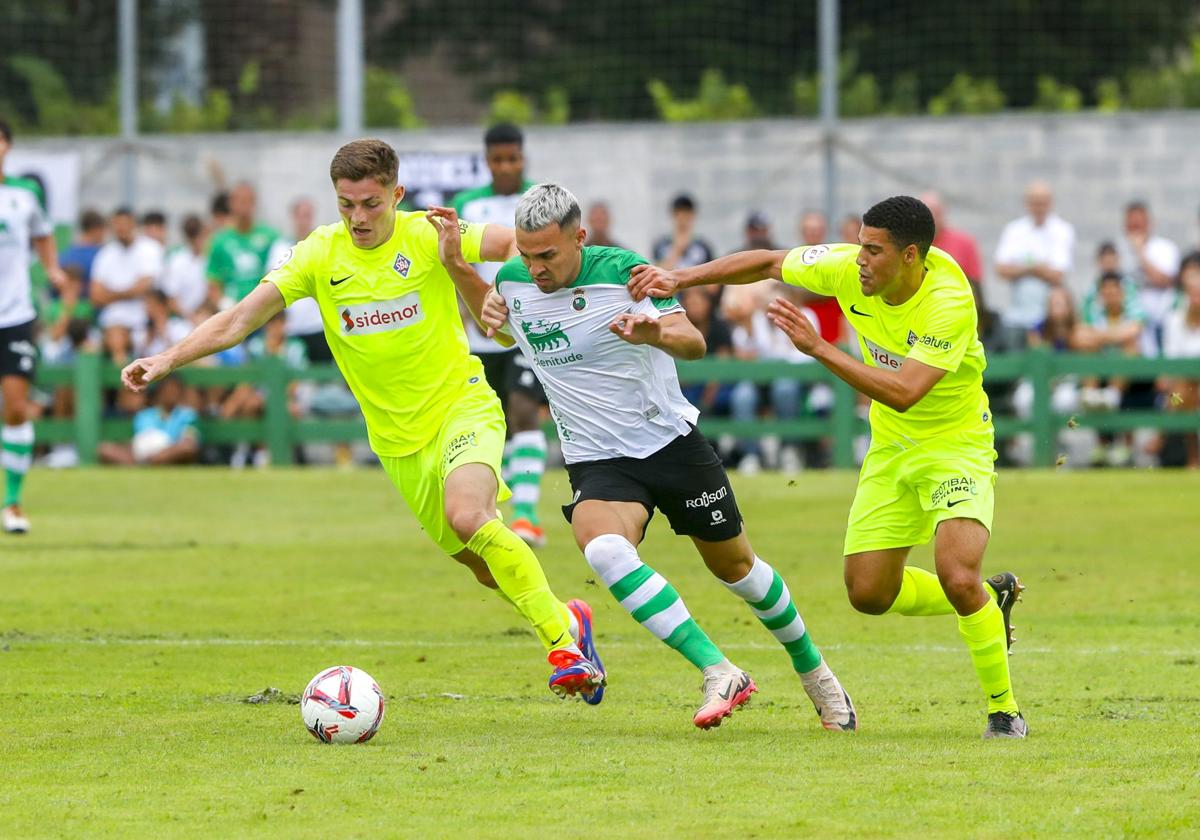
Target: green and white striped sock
x: 16, y: 456
x: 771, y: 602
x: 525, y: 468
x: 651, y: 601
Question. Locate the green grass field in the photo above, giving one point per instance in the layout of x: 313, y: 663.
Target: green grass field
x: 145, y: 606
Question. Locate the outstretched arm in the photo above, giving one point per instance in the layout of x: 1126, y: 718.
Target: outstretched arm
x: 735, y: 269
x: 220, y: 332
x: 470, y: 286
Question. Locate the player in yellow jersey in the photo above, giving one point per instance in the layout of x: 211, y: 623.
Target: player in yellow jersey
x: 929, y: 472
x: 391, y: 319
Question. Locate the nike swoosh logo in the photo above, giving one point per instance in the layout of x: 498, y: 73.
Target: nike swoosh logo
x: 955, y: 502
x: 559, y: 639
x: 1003, y: 599
x: 998, y: 696
x: 333, y: 282
x: 856, y: 312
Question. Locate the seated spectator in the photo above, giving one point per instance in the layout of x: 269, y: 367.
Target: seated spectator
x: 599, y: 223
x: 1113, y: 323
x: 1181, y: 340
x: 124, y: 271
x: 72, y: 305
x: 1152, y: 263
x: 185, y: 278
x: 849, y: 228
x: 957, y: 243
x: 82, y: 252
x: 163, y: 434
x: 162, y: 329
x: 154, y: 226
x: 757, y: 234
x: 682, y: 248
x: 710, y: 397
x: 813, y: 231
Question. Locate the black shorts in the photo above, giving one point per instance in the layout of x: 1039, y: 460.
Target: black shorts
x: 508, y: 372
x: 685, y: 480
x: 18, y: 354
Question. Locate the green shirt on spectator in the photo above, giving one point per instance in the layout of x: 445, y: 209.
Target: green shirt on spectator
x: 238, y: 260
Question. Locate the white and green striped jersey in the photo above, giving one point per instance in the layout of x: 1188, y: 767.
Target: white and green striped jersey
x: 22, y: 217
x: 485, y: 205
x: 608, y: 398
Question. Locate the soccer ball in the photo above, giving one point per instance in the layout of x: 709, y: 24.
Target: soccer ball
x: 342, y: 705
x: 149, y: 442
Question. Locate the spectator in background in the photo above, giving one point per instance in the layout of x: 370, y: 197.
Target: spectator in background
x: 303, y: 316
x: 711, y: 398
x: 1035, y: 254
x: 162, y: 328
x: 813, y: 231
x: 93, y: 228
x: 218, y: 212
x: 1181, y: 340
x: 757, y: 233
x: 599, y: 221
x: 124, y: 271
x: 154, y: 226
x: 957, y: 243
x: 1152, y: 262
x: 237, y: 258
x: 682, y: 248
x: 70, y: 306
x: 849, y: 228
x: 163, y: 434
x: 185, y: 279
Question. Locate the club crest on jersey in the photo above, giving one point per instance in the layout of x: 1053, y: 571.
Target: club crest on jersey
x: 579, y: 301
x: 912, y: 338
x: 516, y: 304
x: 402, y: 265
x: 544, y: 336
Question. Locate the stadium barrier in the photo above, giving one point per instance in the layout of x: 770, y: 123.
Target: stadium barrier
x: 90, y: 376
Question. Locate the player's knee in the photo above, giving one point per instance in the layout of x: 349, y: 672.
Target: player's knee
x: 607, y: 552
x: 868, y: 597
x: 465, y: 520
x: 962, y: 587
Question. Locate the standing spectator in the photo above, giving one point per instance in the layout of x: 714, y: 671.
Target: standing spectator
x: 814, y: 231
x: 757, y: 233
x: 849, y: 228
x: 682, y: 248
x: 22, y: 220
x: 712, y: 398
x: 303, y: 316
x: 125, y: 270
x: 184, y: 278
x: 237, y: 260
x: 599, y: 222
x: 154, y: 226
x: 218, y: 211
x: 1181, y: 340
x: 957, y: 243
x: 1035, y: 254
x: 163, y: 434
x: 1152, y: 262
x: 93, y: 227
x: 162, y: 329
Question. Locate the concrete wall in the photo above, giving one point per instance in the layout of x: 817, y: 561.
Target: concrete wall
x: 981, y: 164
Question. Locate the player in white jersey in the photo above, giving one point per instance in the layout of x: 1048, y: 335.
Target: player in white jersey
x: 505, y: 368
x: 631, y: 445
x: 23, y: 220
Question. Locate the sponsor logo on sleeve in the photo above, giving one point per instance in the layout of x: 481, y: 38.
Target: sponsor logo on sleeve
x: 382, y: 315
x: 935, y: 343
x: 282, y: 259
x: 813, y: 254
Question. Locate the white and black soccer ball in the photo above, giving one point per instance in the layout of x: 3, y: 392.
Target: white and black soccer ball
x: 342, y: 705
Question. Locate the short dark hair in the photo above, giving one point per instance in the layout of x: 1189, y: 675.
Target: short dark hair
x: 1111, y: 277
x: 1137, y: 204
x: 220, y: 204
x: 906, y: 219
x: 502, y: 134
x: 91, y: 220
x: 154, y: 217
x: 367, y: 158
x: 123, y: 211
x: 1192, y: 259
x: 683, y: 201
x: 1106, y: 247
x: 192, y: 226
x: 6, y: 131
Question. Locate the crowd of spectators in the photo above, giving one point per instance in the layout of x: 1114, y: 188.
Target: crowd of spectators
x: 135, y: 287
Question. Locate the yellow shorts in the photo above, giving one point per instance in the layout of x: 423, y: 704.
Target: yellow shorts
x: 906, y: 489
x: 471, y: 433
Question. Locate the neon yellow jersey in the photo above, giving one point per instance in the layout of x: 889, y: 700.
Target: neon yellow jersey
x: 936, y: 326
x: 392, y: 322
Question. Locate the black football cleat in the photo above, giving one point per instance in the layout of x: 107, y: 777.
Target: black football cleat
x: 1005, y: 725
x: 1008, y: 591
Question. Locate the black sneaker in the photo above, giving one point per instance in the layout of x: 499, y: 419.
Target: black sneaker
x: 1008, y: 591
x: 1005, y: 725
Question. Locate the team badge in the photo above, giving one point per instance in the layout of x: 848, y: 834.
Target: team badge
x: 912, y: 338
x: 813, y: 255
x: 516, y: 304
x: 579, y: 301
x: 402, y: 265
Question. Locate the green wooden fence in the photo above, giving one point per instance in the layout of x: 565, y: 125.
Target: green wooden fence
x: 280, y: 431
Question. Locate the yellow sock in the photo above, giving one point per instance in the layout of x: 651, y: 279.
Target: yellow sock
x: 523, y: 583
x: 920, y: 594
x: 986, y: 640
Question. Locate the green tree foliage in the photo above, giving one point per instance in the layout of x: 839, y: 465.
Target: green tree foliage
x: 715, y: 100
x: 388, y: 102
x: 511, y: 106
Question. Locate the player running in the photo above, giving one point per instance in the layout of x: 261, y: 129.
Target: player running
x: 631, y: 445
x: 505, y: 368
x: 929, y: 472
x: 391, y: 319
x: 22, y: 220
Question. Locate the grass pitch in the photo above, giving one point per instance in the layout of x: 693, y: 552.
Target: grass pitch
x: 146, y: 605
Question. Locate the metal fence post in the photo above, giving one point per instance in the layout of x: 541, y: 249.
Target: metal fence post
x: 278, y: 419
x: 87, y: 406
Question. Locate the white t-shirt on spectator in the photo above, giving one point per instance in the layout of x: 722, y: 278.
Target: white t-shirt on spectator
x: 119, y: 267
x: 177, y: 330
x: 1025, y: 243
x: 303, y: 316
x: 185, y: 279
x: 767, y: 343
x: 1164, y: 255
x: 1180, y: 341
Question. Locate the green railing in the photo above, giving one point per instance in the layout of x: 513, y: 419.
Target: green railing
x: 280, y: 431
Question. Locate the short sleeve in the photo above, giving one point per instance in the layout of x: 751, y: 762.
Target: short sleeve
x: 293, y: 274
x: 1009, y: 251
x: 39, y: 222
x: 821, y: 268
x: 150, y: 260
x: 944, y: 330
x: 472, y: 239
x: 666, y: 306
x: 511, y: 271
